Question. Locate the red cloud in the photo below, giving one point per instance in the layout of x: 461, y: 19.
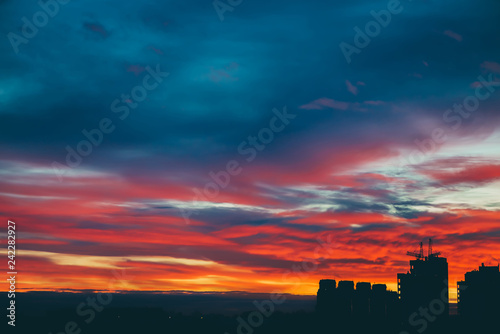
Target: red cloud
x: 469, y: 174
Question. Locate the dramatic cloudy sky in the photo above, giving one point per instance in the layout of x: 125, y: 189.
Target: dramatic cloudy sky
x: 344, y: 167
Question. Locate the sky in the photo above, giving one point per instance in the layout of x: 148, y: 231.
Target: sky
x: 247, y: 145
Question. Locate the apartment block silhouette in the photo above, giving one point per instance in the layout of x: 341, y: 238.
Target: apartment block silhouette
x: 479, y: 293
x: 346, y: 302
x: 425, y: 283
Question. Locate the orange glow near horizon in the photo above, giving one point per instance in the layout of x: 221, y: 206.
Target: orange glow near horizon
x: 101, y: 232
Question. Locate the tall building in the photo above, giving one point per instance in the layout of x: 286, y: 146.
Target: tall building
x: 425, y: 283
x: 344, y: 299
x: 379, y: 300
x: 479, y: 293
x: 326, y: 296
x: 361, y: 301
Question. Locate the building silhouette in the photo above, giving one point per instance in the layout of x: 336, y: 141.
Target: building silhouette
x: 344, y: 299
x: 326, y: 296
x: 420, y: 304
x: 361, y: 301
x: 426, y: 282
x: 479, y: 293
x: 345, y: 302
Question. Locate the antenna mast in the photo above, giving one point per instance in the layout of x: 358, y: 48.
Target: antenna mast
x: 431, y: 253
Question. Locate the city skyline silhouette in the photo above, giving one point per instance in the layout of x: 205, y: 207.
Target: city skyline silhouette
x: 421, y: 304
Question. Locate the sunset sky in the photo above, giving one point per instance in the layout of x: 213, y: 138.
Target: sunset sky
x: 372, y: 152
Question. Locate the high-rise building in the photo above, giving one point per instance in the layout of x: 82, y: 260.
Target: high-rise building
x: 361, y: 301
x: 426, y: 283
x: 326, y: 296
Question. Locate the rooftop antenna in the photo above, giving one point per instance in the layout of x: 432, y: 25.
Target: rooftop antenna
x: 430, y: 253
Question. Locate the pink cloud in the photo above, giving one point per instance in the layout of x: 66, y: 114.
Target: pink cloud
x: 351, y: 88
x: 476, y: 84
x: 491, y: 66
x: 425, y: 63
x: 98, y: 28
x: 158, y: 51
x: 374, y: 103
x: 136, y: 69
x: 453, y: 35
x: 226, y: 74
x: 220, y: 75
x: 325, y: 102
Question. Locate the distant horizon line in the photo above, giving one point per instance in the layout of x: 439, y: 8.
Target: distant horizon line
x: 151, y: 291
